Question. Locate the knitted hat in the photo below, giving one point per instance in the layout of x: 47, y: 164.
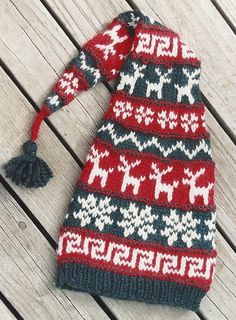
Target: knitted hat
x: 141, y: 223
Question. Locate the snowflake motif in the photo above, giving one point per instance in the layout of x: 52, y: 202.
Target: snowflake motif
x: 167, y: 120
x: 211, y: 224
x: 68, y: 84
x: 123, y: 109
x: 183, y: 226
x: 53, y: 100
x: 134, y: 20
x: 203, y: 117
x: 189, y: 121
x: 99, y: 210
x: 136, y: 220
x: 144, y: 114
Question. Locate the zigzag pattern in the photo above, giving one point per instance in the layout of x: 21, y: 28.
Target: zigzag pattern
x: 132, y: 137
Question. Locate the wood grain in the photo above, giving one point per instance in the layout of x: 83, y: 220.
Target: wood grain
x: 5, y: 312
x: 28, y: 271
x: 228, y: 7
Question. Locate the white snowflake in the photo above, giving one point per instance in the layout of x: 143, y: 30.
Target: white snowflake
x: 180, y: 225
x: 68, y: 84
x: 144, y: 114
x: 92, y: 208
x: 189, y: 121
x: 137, y: 220
x: 54, y: 100
x: 134, y: 20
x: 167, y: 120
x: 123, y: 109
x: 211, y: 224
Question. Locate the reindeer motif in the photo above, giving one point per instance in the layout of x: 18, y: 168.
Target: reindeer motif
x: 186, y: 90
x: 130, y: 80
x: 115, y: 39
x: 162, y: 186
x: 194, y: 190
x: 94, y: 156
x: 128, y: 179
x: 157, y: 87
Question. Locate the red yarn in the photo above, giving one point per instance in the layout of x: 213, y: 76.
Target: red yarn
x: 43, y: 113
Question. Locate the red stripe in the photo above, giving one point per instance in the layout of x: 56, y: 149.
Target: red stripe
x: 111, y: 64
x: 166, y: 121
x: 162, y: 47
x: 146, y: 190
x: 113, y: 253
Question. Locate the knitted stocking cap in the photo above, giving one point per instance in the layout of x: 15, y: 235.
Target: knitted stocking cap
x: 141, y: 223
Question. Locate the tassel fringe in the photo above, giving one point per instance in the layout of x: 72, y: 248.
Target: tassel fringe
x: 28, y: 170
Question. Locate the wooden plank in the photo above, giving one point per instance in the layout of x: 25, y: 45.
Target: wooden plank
x: 222, y: 294
x: 83, y: 21
x: 27, y: 274
x: 37, y: 51
x: 49, y: 204
x: 228, y: 7
x: 5, y: 312
x: 204, y: 29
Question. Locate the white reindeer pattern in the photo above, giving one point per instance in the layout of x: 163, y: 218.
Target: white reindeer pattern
x: 94, y: 156
x: 130, y: 80
x: 129, y: 179
x: 115, y: 39
x: 157, y: 87
x: 195, y: 190
x: 186, y: 90
x: 162, y: 186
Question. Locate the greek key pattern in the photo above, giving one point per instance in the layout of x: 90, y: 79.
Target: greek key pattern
x: 121, y: 256
x: 165, y: 45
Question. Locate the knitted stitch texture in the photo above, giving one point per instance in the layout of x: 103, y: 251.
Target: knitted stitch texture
x: 141, y: 223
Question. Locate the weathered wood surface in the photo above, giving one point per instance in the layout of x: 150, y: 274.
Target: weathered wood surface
x: 5, y: 312
x: 228, y: 7
x: 36, y: 50
x: 27, y: 274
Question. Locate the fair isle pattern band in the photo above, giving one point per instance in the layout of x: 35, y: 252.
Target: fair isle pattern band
x: 174, y: 184
x: 186, y: 149
x: 122, y: 256
x: 166, y: 121
x: 175, y: 84
x: 138, y: 221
